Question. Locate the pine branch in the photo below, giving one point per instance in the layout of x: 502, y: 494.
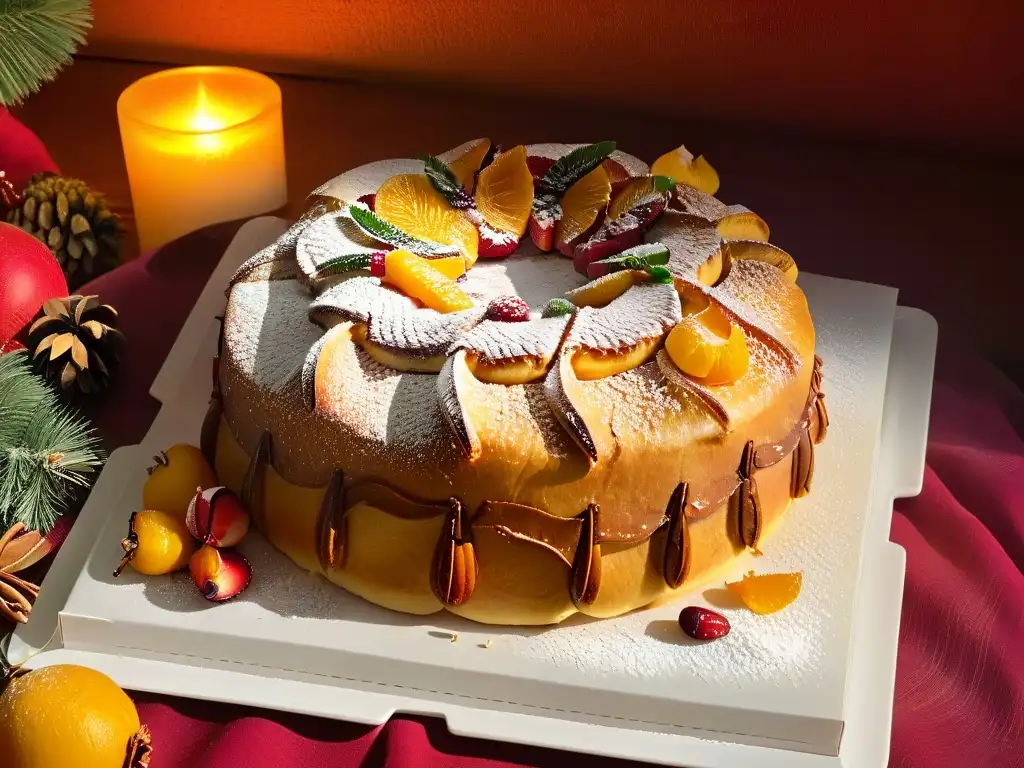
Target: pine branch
x: 46, y: 450
x: 37, y: 38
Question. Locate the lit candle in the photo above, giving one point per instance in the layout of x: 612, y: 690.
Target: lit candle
x: 202, y: 145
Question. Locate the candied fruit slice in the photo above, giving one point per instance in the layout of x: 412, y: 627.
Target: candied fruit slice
x: 467, y: 162
x: 708, y: 347
x: 581, y: 206
x: 604, y: 290
x: 769, y: 592
x: 504, y: 192
x: 452, y: 267
x: 418, y: 279
x: 740, y: 223
x: 682, y: 166
x: 755, y: 250
x: 410, y: 202
x: 642, y: 191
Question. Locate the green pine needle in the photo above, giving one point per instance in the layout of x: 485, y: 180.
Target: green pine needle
x: 572, y: 167
x: 46, y: 450
x: 37, y: 38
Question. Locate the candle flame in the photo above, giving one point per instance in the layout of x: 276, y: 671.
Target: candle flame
x: 202, y: 120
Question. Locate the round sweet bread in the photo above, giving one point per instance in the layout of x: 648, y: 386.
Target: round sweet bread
x: 588, y: 430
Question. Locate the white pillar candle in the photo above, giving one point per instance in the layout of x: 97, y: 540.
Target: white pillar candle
x: 202, y: 145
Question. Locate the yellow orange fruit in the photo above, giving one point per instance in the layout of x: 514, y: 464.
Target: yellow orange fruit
x: 605, y: 289
x: 708, y: 347
x: 504, y: 192
x: 162, y: 541
x: 416, y: 278
x: 410, y: 202
x: 174, y: 477
x: 769, y: 592
x: 66, y: 715
x: 754, y: 250
x: 635, y: 192
x: 451, y: 267
x: 682, y: 166
x: 742, y: 224
x: 581, y: 205
x: 467, y: 162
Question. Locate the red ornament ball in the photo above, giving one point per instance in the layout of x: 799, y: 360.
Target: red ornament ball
x: 29, y: 275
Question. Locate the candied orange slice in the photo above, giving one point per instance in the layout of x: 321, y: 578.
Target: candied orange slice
x: 708, y: 347
x: 410, y: 202
x: 451, y: 267
x: 467, y: 160
x: 682, y: 166
x: 636, y: 192
x: 504, y: 192
x: 769, y: 592
x: 417, y: 278
x: 581, y: 204
x: 604, y: 290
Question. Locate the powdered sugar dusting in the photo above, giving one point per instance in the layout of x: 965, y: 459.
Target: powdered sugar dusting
x: 267, y: 331
x: 496, y: 341
x: 752, y: 290
x: 394, y: 320
x: 691, y: 243
x: 693, y: 201
x: 330, y: 236
x: 533, y: 276
x: 645, y: 311
x: 633, y: 165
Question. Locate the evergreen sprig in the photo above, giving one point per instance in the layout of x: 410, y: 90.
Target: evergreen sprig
x: 37, y: 38
x: 46, y: 450
x: 444, y: 181
x: 572, y: 167
x: 388, y: 233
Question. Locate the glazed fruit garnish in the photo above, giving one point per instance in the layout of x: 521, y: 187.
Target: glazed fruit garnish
x: 708, y: 347
x: 446, y: 183
x: 648, y: 257
x: 508, y: 309
x: 769, y: 592
x: 504, y: 192
x: 703, y: 623
x: 452, y: 267
x: 370, y: 200
x: 682, y: 166
x: 645, y: 195
x: 410, y: 202
x: 558, y: 177
x: 388, y: 233
x: 216, y: 517
x: 173, y: 478
x: 582, y: 205
x: 416, y: 278
x: 219, y: 574
x: 604, y: 290
x: 558, y: 308
x: 466, y: 164
x: 742, y: 224
x: 157, y: 543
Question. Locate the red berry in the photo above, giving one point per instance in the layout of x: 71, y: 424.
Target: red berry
x: 539, y: 166
x: 495, y: 245
x: 703, y: 623
x: 370, y: 201
x: 542, y: 233
x: 377, y: 263
x: 508, y: 309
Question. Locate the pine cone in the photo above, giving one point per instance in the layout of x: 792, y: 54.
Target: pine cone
x: 73, y: 221
x: 74, y: 341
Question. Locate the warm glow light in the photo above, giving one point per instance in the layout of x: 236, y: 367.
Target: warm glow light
x: 202, y: 145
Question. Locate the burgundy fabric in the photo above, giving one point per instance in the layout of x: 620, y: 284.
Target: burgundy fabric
x: 960, y: 680
x: 21, y: 152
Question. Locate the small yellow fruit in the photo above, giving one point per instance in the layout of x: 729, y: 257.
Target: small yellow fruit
x: 69, y: 715
x: 157, y: 543
x: 174, y: 477
x: 769, y: 592
x: 708, y: 347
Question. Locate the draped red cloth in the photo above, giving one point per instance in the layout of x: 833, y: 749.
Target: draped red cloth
x: 960, y: 674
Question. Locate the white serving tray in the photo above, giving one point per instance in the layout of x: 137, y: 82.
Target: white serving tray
x: 811, y: 686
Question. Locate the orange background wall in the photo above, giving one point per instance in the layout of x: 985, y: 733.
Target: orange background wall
x: 950, y: 71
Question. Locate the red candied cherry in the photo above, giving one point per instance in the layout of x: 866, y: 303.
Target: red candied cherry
x: 508, y: 309
x: 703, y: 623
